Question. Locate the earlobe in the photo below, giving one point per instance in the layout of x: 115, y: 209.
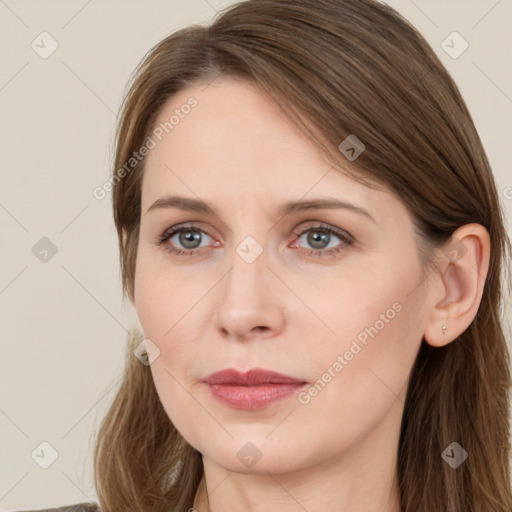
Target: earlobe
x: 456, y: 297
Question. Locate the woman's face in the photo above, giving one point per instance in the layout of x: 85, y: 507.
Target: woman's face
x: 250, y: 284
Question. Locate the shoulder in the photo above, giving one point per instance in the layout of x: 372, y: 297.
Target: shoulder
x: 79, y: 507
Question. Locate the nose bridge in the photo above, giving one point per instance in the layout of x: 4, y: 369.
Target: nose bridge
x: 247, y: 304
x: 248, y: 274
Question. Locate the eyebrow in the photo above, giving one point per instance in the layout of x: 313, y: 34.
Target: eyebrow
x: 197, y: 205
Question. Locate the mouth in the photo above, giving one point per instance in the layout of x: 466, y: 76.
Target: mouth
x: 255, y: 389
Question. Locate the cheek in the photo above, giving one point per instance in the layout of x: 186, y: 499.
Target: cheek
x: 177, y: 397
x: 361, y: 376
x: 166, y: 314
x: 163, y: 301
x: 377, y: 324
x: 168, y: 309
x: 384, y: 347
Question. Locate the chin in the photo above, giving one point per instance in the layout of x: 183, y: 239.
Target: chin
x: 257, y: 454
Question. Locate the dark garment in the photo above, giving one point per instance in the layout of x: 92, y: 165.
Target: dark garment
x: 79, y: 507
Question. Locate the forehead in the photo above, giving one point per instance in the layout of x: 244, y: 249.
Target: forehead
x: 231, y: 119
x: 235, y: 143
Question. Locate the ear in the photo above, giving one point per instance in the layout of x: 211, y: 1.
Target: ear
x: 458, y: 290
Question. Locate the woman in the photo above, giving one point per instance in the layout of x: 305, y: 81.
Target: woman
x: 311, y: 237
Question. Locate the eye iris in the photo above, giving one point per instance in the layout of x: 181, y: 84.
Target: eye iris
x: 187, y: 237
x: 192, y: 239
x: 318, y: 236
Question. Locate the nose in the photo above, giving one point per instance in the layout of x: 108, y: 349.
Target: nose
x: 250, y: 301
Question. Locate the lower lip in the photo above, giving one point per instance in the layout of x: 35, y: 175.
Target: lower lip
x: 252, y: 397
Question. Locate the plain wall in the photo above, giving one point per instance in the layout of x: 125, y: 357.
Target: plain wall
x: 63, y: 323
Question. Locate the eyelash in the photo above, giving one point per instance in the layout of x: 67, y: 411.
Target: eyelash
x: 345, y: 237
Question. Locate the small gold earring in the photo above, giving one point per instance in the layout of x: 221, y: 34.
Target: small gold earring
x: 443, y: 329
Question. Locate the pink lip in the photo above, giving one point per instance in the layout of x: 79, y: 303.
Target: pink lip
x: 254, y: 389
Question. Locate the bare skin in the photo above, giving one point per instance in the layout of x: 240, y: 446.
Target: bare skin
x: 296, y: 309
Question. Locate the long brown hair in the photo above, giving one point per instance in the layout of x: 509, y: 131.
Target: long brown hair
x: 337, y: 67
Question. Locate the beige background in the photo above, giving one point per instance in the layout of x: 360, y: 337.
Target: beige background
x: 63, y: 324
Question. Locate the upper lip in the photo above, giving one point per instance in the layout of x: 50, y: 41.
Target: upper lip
x: 252, y: 377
